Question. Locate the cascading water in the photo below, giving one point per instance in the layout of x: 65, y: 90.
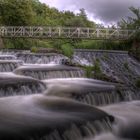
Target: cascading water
x: 93, y: 92
x: 114, y: 64
x: 60, y: 110
x: 38, y: 116
x: 118, y: 66
x: 7, y: 57
x: 11, y: 84
x: 9, y: 65
x: 33, y: 58
x: 49, y: 71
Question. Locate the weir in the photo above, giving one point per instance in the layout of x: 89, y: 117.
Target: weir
x: 9, y: 65
x: 7, y: 57
x: 93, y: 92
x: 50, y: 71
x: 11, y: 85
x: 65, y: 105
x: 40, y: 58
x: 117, y: 66
x: 48, y: 115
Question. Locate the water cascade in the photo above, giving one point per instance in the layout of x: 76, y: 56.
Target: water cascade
x: 117, y: 65
x: 49, y: 71
x: 93, y: 92
x: 7, y: 57
x: 9, y: 65
x: 41, y: 117
x: 40, y: 58
x: 127, y: 123
x: 57, y: 102
x: 11, y: 84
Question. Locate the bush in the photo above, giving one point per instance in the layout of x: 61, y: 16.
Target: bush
x: 34, y: 49
x: 97, y: 69
x: 89, y: 71
x: 67, y: 50
x: 104, y: 45
x: 93, y: 71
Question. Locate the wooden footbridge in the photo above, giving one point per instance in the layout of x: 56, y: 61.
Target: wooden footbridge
x: 44, y: 32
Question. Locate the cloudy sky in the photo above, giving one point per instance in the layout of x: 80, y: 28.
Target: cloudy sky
x: 102, y: 11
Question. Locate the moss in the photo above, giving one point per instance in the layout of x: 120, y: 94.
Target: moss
x: 34, y: 49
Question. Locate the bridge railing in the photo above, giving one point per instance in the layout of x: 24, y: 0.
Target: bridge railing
x: 64, y: 32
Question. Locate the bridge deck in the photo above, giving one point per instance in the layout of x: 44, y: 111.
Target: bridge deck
x: 64, y: 32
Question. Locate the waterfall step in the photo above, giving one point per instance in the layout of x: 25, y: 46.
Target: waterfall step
x: 7, y: 57
x: 9, y: 65
x: 49, y: 71
x: 11, y: 84
x: 34, y: 116
x: 40, y: 58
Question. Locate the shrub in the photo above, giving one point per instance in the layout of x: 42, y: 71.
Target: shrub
x: 67, y: 50
x: 34, y: 49
x: 89, y: 71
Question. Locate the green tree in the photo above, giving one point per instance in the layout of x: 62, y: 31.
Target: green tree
x: 13, y: 12
x: 132, y: 22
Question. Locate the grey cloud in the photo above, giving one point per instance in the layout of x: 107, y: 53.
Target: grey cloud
x: 106, y: 10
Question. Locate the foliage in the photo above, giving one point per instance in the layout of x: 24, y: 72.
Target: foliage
x: 16, y: 13
x: 18, y: 43
x: 97, y: 70
x: 89, y: 71
x: 67, y: 50
x: 93, y: 71
x: 33, y: 12
x: 34, y: 49
x: 133, y: 23
x: 104, y: 45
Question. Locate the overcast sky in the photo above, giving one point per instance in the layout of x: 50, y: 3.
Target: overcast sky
x: 106, y: 11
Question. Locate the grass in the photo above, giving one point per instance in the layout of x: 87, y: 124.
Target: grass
x: 67, y: 50
x: 93, y: 71
x: 89, y: 71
